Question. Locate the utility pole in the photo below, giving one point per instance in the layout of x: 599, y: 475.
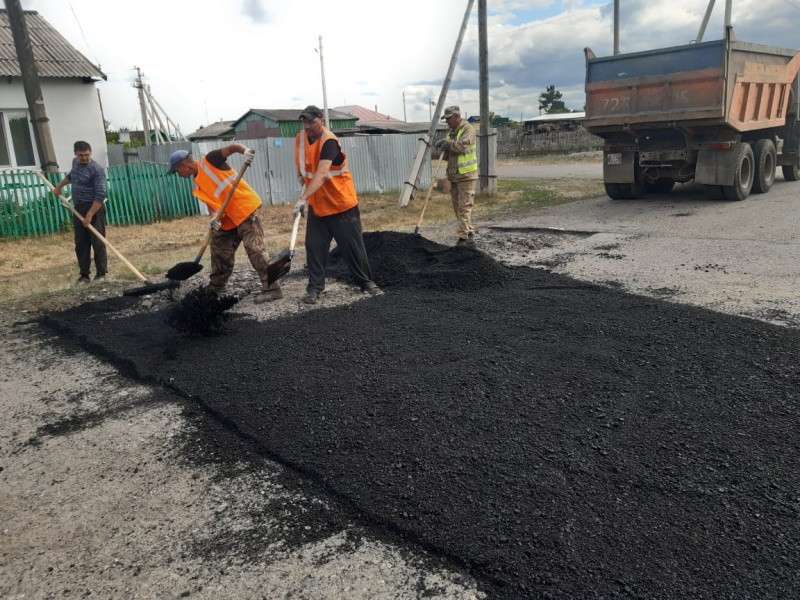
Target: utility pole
x: 33, y: 90
x: 142, y: 106
x: 405, y: 118
x: 412, y: 179
x: 324, y: 91
x: 485, y: 177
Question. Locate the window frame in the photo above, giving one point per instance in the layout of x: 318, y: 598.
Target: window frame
x: 5, y: 132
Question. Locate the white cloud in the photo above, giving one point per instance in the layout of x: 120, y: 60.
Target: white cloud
x: 208, y: 60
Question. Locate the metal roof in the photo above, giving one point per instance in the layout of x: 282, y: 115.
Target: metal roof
x: 213, y: 131
x: 54, y: 56
x: 292, y: 114
x: 366, y: 115
x: 570, y: 116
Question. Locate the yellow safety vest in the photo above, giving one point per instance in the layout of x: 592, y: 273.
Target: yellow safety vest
x: 467, y: 162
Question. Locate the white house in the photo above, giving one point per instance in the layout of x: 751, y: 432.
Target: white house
x: 68, y: 83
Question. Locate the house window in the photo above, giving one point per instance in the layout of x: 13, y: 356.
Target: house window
x: 16, y: 139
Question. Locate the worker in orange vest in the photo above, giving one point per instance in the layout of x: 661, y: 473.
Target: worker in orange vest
x: 241, y: 223
x: 333, y: 212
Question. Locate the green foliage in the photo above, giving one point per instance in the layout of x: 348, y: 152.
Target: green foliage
x: 550, y: 101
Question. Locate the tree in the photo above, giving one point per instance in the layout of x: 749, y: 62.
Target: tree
x: 550, y: 101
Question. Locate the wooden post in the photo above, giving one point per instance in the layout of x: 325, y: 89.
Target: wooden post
x: 33, y: 91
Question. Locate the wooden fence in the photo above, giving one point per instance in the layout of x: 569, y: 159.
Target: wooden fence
x: 557, y: 142
x: 137, y: 194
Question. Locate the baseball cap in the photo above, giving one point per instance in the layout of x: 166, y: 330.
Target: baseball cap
x: 311, y: 112
x: 175, y: 158
x: 450, y: 111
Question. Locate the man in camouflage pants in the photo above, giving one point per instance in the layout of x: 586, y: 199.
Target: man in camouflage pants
x: 241, y: 223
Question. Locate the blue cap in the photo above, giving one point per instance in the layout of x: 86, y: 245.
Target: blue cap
x: 175, y: 158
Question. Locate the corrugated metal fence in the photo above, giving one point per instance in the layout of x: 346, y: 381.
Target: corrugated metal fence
x: 379, y: 163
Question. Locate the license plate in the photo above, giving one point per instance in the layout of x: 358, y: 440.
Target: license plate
x: 614, y: 158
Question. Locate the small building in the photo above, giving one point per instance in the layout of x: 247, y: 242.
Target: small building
x: 68, y: 81
x: 259, y: 123
x: 221, y: 130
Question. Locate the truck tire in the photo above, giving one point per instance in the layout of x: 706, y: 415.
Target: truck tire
x: 625, y: 191
x: 714, y: 192
x: 791, y: 172
x: 662, y: 185
x: 743, y: 179
x: 613, y: 191
x: 765, y: 160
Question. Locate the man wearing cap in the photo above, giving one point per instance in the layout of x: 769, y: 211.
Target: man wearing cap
x: 333, y: 212
x: 462, y: 170
x: 241, y: 222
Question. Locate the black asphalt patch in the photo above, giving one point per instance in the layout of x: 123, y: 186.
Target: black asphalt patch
x: 560, y: 439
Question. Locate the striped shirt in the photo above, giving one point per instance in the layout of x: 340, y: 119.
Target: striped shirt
x: 88, y: 182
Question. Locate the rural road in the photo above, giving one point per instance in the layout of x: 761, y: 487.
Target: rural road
x: 736, y: 257
x: 577, y: 170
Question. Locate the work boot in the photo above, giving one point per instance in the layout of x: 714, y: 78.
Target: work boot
x: 215, y: 290
x: 82, y: 280
x: 311, y: 297
x: 273, y: 292
x: 466, y: 242
x: 372, y: 289
x: 99, y: 279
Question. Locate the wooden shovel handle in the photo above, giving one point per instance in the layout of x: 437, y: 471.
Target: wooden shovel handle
x: 65, y: 203
x: 221, y: 212
x: 428, y: 194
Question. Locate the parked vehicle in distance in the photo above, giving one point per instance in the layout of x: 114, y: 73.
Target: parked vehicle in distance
x: 723, y: 113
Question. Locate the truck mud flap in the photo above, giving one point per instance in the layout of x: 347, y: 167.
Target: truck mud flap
x: 716, y: 167
x: 619, y: 167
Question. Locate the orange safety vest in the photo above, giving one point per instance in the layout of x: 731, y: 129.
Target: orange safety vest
x: 338, y: 193
x: 211, y: 185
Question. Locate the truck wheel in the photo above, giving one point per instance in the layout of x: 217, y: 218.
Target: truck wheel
x: 765, y: 162
x: 745, y: 168
x: 662, y: 185
x: 613, y: 191
x: 634, y: 191
x: 791, y: 172
x: 714, y: 192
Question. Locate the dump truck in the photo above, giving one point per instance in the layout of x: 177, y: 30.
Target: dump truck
x: 723, y: 113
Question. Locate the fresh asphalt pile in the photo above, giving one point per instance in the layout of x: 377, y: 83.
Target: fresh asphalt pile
x: 562, y: 440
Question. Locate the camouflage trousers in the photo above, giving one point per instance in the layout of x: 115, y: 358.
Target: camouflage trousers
x: 224, y: 244
x: 462, y: 193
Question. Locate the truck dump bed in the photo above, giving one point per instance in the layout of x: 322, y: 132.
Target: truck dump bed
x: 738, y: 84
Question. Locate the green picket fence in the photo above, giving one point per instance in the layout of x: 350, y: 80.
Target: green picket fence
x: 137, y: 193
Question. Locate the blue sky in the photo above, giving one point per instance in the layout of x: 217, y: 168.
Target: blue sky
x: 209, y: 60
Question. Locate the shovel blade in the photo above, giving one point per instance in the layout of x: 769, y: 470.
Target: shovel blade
x: 184, y: 270
x: 279, y: 266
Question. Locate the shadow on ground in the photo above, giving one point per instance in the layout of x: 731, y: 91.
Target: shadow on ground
x: 562, y: 440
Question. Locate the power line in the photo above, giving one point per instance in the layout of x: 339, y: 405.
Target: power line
x: 80, y: 28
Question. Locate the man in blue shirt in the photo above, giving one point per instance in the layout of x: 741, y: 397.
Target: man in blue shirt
x: 88, y: 193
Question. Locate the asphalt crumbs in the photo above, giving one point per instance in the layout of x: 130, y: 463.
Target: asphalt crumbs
x: 559, y: 439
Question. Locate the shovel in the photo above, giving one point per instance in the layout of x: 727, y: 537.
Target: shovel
x: 428, y: 195
x: 146, y: 289
x: 184, y: 270
x: 280, y: 265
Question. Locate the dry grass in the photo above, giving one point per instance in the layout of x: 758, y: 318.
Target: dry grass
x: 37, y: 270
